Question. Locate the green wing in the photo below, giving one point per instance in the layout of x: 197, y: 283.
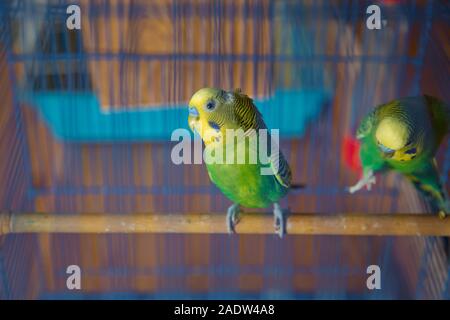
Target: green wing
x: 366, y: 126
x: 248, y: 117
x: 369, y: 153
x: 428, y: 183
x: 283, y: 174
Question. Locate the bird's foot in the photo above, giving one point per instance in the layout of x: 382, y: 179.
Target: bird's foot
x: 280, y: 219
x: 366, y: 181
x: 442, y: 214
x: 232, y: 217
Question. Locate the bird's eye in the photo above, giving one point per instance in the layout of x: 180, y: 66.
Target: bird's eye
x: 210, y: 105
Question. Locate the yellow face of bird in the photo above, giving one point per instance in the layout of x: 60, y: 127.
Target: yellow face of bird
x: 209, y: 112
x: 394, y: 140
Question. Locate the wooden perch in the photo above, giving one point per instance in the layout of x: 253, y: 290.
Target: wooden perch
x: 251, y: 223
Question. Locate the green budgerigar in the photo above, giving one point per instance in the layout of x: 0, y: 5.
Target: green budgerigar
x: 212, y: 114
x: 404, y: 135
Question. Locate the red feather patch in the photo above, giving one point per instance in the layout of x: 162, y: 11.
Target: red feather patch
x: 350, y: 153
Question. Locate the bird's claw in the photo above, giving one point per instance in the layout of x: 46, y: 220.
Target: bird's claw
x: 366, y: 181
x: 279, y: 220
x: 232, y: 218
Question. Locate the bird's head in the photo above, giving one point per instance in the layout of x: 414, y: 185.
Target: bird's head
x: 210, y: 112
x: 394, y: 139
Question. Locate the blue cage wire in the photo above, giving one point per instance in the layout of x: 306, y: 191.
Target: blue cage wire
x: 87, y: 122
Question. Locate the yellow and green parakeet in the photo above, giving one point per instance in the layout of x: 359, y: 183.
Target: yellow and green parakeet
x: 212, y: 112
x: 404, y: 135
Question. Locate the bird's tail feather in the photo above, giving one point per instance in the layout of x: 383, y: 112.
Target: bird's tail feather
x: 428, y: 183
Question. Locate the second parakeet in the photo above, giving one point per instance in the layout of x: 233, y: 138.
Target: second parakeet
x: 212, y: 113
x: 404, y: 135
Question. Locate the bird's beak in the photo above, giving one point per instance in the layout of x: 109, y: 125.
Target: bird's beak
x: 193, y: 112
x: 388, y: 153
x: 193, y: 118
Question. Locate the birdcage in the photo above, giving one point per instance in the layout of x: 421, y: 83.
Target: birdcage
x: 86, y: 121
